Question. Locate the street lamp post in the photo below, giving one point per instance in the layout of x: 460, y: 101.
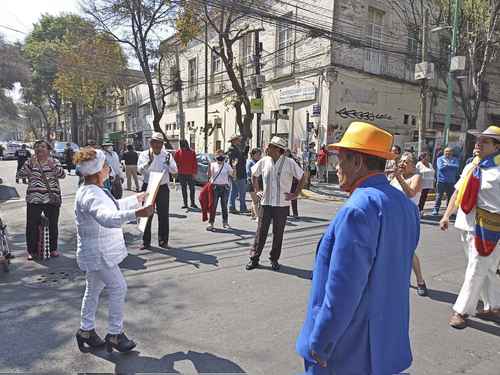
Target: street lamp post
x: 453, y: 51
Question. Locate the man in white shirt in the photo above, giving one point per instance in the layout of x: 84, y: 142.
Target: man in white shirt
x: 476, y: 200
x: 156, y: 159
x: 116, y: 173
x: 277, y: 173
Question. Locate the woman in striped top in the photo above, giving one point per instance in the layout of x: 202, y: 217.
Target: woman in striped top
x: 43, y: 196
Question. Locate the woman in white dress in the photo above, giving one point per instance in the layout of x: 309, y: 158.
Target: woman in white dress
x: 409, y: 182
x: 100, y: 248
x: 425, y: 169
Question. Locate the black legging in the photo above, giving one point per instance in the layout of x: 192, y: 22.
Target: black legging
x: 33, y: 215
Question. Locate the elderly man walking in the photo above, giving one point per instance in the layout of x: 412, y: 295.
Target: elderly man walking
x: 277, y: 171
x: 156, y: 159
x: 477, y: 197
x: 447, y: 168
x: 358, y: 313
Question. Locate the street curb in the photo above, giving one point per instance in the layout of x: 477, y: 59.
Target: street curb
x: 308, y: 194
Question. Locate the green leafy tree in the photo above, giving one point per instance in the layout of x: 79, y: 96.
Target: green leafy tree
x: 13, y: 69
x: 41, y: 49
x: 90, y: 66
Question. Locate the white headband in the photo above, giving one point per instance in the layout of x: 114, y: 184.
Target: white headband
x: 90, y: 167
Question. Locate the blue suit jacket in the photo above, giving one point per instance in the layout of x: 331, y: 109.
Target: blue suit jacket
x: 358, y: 313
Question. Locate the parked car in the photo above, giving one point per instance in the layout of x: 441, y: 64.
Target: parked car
x: 203, y: 161
x: 10, y: 149
x: 58, y: 150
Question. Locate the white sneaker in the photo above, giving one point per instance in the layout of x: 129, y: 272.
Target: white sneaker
x: 210, y: 227
x: 226, y: 225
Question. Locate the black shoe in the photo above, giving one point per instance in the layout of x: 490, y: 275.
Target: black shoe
x: 254, y: 263
x: 422, y: 290
x: 90, y: 338
x: 119, y: 342
x: 193, y: 205
x: 9, y: 256
x: 185, y: 207
x: 275, y: 265
x: 233, y: 211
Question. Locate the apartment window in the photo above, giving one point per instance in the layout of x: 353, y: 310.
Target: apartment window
x: 246, y: 53
x: 216, y: 63
x: 192, y: 76
x: 283, y: 43
x: 374, y: 32
x: 406, y: 119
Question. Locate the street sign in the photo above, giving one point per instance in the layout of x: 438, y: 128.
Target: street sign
x: 316, y: 112
x: 257, y: 105
x: 424, y: 70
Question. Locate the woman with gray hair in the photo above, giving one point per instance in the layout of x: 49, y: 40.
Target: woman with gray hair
x: 101, y: 248
x: 406, y: 179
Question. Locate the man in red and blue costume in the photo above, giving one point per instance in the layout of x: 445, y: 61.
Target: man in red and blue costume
x: 477, y: 198
x: 358, y: 313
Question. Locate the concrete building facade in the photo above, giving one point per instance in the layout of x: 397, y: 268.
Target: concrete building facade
x: 368, y: 75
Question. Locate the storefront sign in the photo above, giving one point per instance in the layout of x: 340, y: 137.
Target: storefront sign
x: 300, y: 94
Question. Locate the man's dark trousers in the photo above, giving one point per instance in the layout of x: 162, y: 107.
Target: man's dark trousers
x: 278, y: 216
x: 184, y: 180
x: 162, y: 209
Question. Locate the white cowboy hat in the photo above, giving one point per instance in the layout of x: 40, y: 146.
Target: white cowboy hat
x: 279, y: 142
x: 492, y: 131
x: 157, y: 136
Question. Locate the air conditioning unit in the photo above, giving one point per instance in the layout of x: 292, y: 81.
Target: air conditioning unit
x: 424, y: 70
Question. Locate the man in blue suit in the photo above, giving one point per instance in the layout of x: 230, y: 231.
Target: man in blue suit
x: 358, y: 314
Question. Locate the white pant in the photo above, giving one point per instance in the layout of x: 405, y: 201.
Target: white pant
x: 112, y: 279
x: 480, y: 279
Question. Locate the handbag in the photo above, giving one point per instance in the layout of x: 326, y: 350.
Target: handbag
x: 54, y: 198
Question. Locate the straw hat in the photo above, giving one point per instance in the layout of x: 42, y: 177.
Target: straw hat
x: 492, y: 131
x: 157, y: 136
x: 368, y: 139
x: 279, y: 142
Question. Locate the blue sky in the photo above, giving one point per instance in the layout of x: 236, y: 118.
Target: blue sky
x: 21, y: 14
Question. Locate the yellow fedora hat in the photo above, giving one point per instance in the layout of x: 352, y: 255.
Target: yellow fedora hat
x: 368, y: 139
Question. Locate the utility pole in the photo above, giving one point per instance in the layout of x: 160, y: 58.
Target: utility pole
x: 258, y: 90
x: 422, y: 119
x: 329, y: 112
x: 178, y: 87
x: 453, y: 51
x: 205, y: 128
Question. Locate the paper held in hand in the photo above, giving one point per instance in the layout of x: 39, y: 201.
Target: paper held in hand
x: 152, y: 190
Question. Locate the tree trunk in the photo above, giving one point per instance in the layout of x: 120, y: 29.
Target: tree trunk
x: 74, y: 123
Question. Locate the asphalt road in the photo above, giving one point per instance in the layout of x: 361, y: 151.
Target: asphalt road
x: 194, y: 309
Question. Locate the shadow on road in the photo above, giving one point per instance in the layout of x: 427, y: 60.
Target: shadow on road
x: 133, y: 262
x: 204, y: 363
x: 182, y: 255
x: 292, y: 271
x: 441, y: 295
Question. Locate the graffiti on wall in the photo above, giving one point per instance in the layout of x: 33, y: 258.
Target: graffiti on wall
x: 361, y: 115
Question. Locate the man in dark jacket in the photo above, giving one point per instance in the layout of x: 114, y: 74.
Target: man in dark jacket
x: 68, y: 157
x: 238, y: 183
x: 130, y: 158
x: 187, y: 167
x: 21, y: 155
